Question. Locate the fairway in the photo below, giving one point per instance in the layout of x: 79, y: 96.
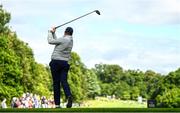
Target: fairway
x: 104, y: 103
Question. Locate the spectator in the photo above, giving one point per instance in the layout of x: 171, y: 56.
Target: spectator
x: 44, y: 102
x: 17, y: 103
x: 29, y: 100
x: 36, y: 102
x: 3, y: 103
x: 13, y: 102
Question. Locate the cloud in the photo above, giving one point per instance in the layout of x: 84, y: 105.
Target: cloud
x: 136, y: 34
x: 133, y: 11
x: 145, y: 11
x: 160, y: 54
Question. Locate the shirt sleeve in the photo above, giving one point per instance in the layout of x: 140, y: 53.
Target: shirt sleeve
x: 52, y: 39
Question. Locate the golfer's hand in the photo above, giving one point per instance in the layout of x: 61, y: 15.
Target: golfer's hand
x: 53, y: 30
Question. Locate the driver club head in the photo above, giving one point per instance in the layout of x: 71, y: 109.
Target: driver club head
x: 97, y: 12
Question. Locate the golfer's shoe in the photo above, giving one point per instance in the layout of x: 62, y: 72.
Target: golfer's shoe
x: 69, y: 102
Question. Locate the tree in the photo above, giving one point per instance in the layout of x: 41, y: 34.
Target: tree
x: 4, y: 19
x: 170, y: 98
x: 92, y: 88
x: 76, y: 77
x: 19, y: 72
x: 169, y: 90
x: 122, y: 90
x: 151, y: 80
x: 173, y: 78
x: 135, y: 92
x: 108, y: 73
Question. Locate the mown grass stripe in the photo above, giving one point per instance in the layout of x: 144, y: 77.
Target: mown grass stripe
x: 177, y: 110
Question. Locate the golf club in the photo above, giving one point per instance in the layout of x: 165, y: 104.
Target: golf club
x: 78, y: 18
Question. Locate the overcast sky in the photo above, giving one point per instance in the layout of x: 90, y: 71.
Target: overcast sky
x: 136, y: 34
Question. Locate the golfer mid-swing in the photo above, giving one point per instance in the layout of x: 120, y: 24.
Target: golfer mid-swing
x: 59, y: 63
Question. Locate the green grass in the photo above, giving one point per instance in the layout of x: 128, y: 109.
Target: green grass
x: 177, y: 110
x: 114, y: 104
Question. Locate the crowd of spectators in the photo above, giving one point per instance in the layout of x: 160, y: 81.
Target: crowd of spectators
x: 29, y: 100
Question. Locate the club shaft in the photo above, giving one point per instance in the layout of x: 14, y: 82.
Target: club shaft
x: 74, y: 19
